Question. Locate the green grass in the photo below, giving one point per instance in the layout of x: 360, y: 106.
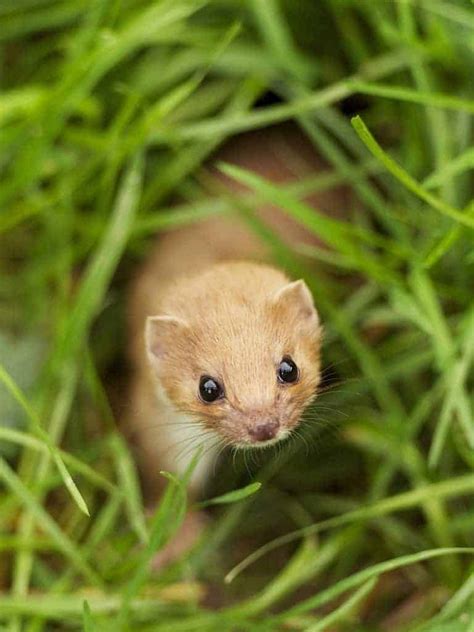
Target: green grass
x: 108, y: 112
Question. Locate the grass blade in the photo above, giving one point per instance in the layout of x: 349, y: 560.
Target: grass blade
x: 414, y: 96
x: 166, y: 521
x: 372, y: 572
x: 36, y: 426
x: 87, y: 621
x: 232, y: 497
x: 451, y: 487
x: 44, y: 520
x: 405, y: 178
x: 130, y: 486
x: 345, y: 608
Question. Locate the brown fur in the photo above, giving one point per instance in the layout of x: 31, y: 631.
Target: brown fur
x: 225, y: 319
x: 232, y: 322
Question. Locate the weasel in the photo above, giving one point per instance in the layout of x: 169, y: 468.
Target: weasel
x: 225, y: 348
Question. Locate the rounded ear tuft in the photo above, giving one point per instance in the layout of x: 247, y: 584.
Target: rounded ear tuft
x: 297, y: 299
x: 160, y: 332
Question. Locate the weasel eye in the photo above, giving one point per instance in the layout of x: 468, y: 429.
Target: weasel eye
x: 287, y: 371
x: 209, y: 389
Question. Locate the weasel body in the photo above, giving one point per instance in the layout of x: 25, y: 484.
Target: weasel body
x: 217, y: 317
x: 233, y: 323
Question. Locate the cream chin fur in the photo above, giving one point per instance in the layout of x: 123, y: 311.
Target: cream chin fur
x: 182, y: 433
x: 261, y: 445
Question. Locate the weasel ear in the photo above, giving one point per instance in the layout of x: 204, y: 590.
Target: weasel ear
x: 162, y: 333
x: 296, y: 298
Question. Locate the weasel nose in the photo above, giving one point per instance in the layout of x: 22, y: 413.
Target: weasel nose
x: 265, y: 431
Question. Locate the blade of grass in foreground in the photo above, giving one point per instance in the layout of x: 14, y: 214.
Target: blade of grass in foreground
x: 427, y: 298
x: 405, y: 178
x: 458, y: 600
x: 456, y: 393
x: 166, y: 521
x: 69, y: 608
x: 280, y: 42
x: 90, y: 296
x: 104, y: 262
x: 345, y: 608
x: 340, y: 235
x: 88, y: 623
x: 42, y: 518
x: 457, y: 166
x: 309, y: 561
x: 101, y: 531
x: 209, y: 128
x: 130, y: 485
x: 156, y: 114
x: 446, y: 489
x: 24, y: 439
x: 321, y: 129
x: 366, y: 575
x: 230, y: 616
x: 189, y: 157
x: 197, y: 210
x: 35, y: 424
x: 414, y: 96
x: 441, y: 247
x: 232, y: 497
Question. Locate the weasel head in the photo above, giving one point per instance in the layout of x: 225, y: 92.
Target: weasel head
x: 245, y: 363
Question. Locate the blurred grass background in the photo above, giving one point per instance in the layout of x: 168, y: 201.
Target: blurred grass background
x: 108, y: 112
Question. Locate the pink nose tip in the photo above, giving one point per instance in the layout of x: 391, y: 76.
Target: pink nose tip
x: 265, y: 431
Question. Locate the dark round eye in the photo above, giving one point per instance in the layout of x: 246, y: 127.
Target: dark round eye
x: 210, y: 389
x: 287, y: 371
